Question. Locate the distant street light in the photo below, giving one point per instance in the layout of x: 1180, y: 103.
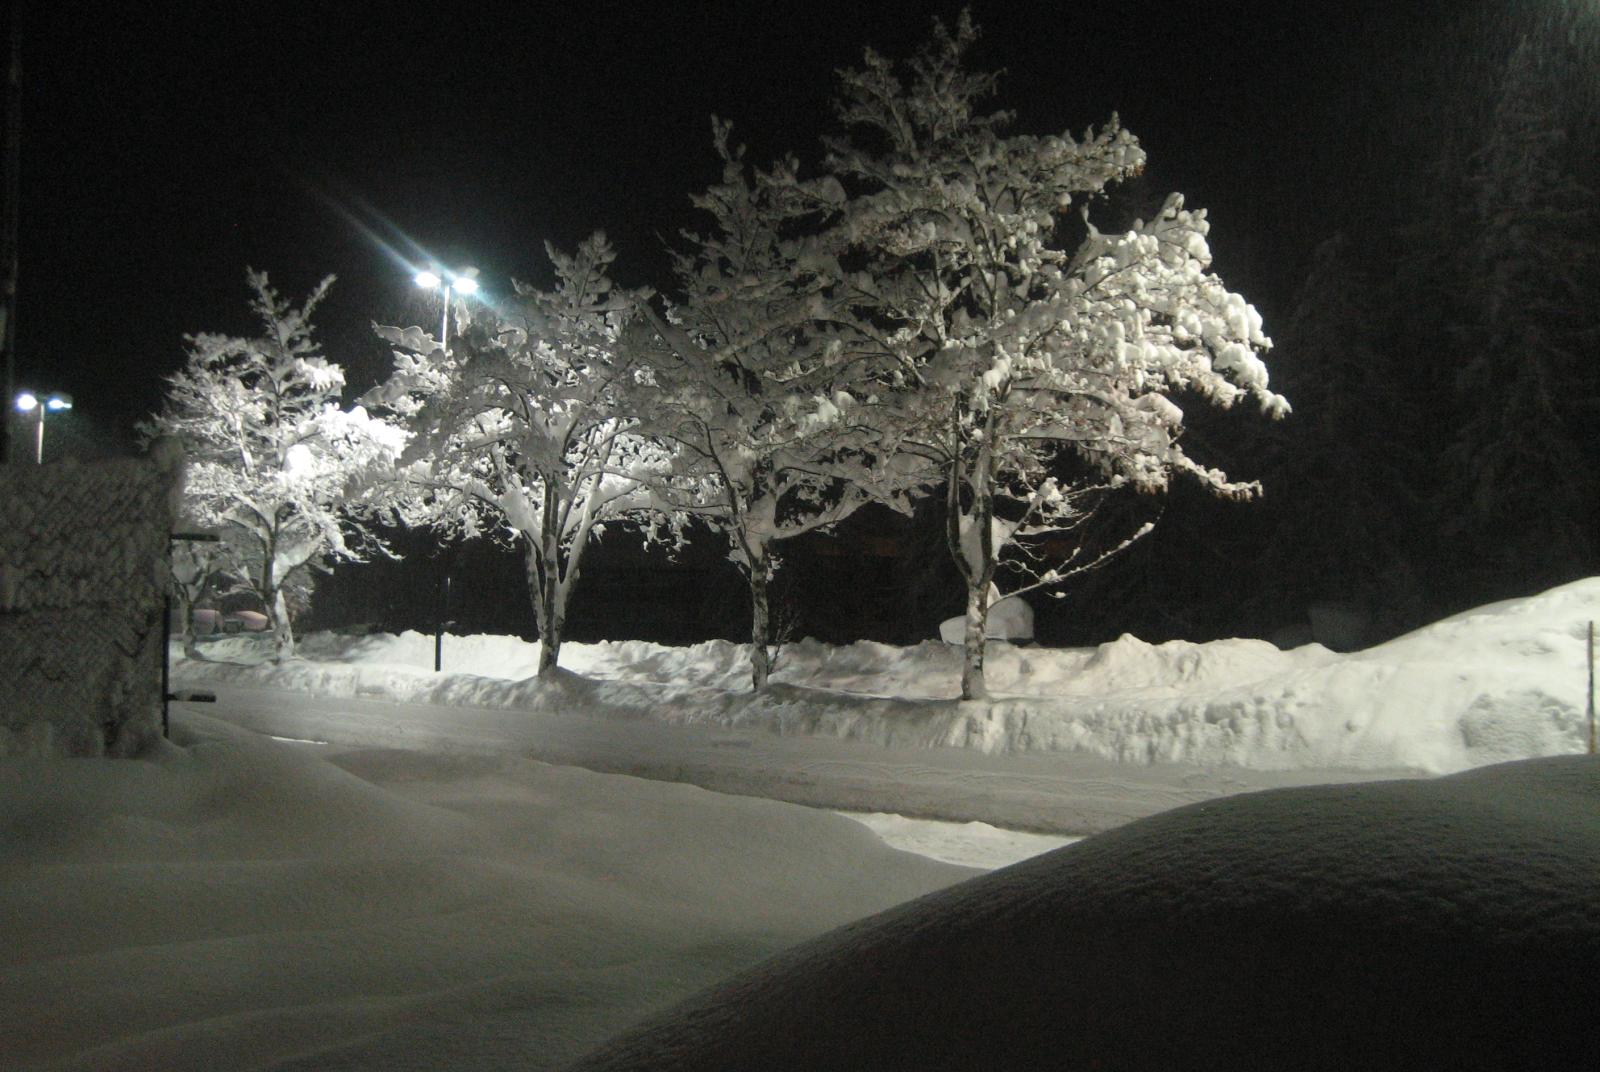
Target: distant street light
x: 464, y: 282
x: 54, y: 402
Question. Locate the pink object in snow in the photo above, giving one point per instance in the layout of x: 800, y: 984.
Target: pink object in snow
x: 250, y: 621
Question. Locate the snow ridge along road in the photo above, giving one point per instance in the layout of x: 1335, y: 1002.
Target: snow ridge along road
x: 1059, y: 793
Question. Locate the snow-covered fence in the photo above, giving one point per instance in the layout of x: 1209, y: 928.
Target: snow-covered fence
x: 83, y: 577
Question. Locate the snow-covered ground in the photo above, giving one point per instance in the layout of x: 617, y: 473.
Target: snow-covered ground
x: 1501, y: 682
x: 239, y: 903
x: 970, y: 844
x: 420, y: 894
x: 1404, y: 926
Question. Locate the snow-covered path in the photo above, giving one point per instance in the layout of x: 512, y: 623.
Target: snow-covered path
x: 245, y: 905
x: 1056, y: 792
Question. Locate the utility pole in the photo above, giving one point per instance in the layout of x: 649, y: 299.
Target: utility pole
x: 10, y: 192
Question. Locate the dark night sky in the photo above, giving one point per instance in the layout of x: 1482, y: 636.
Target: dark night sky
x: 164, y: 151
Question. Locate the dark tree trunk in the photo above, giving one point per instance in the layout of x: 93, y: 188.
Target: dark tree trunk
x: 973, y: 685
x: 760, y: 627
x: 544, y: 587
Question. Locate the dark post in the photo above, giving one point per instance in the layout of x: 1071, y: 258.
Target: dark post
x: 167, y: 695
x: 10, y: 192
x: 438, y: 632
x: 166, y: 664
x: 1591, y: 690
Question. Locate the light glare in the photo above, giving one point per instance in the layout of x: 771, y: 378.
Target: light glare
x: 466, y: 285
x: 57, y: 403
x: 428, y: 280
x: 26, y: 402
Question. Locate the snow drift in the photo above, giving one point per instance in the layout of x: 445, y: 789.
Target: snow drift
x: 1445, y: 924
x: 238, y: 903
x: 1498, y: 683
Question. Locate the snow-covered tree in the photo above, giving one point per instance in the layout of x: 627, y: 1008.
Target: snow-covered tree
x: 1011, y: 355
x: 1350, y: 444
x: 274, y: 464
x: 199, y: 571
x: 746, y: 378
x: 521, y: 428
x: 1529, y: 383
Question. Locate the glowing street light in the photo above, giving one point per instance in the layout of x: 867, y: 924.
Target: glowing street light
x: 465, y: 282
x: 54, y: 402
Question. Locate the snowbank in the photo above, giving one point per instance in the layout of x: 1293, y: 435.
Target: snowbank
x: 1444, y: 924
x: 1502, y: 682
x: 243, y: 904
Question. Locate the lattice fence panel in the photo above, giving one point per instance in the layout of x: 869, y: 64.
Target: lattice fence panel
x: 82, y: 580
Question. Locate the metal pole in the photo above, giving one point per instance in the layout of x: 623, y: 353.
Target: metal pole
x: 438, y: 632
x: 166, y: 662
x: 1591, y: 690
x: 38, y: 437
x: 444, y: 323
x: 10, y: 191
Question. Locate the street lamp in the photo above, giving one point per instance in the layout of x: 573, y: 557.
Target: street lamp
x: 464, y: 282
x: 54, y: 402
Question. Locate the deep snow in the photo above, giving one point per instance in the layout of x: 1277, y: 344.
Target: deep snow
x: 1500, y: 682
x: 1411, y: 925
x: 238, y: 903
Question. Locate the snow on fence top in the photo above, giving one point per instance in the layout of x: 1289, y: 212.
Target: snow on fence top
x: 82, y: 582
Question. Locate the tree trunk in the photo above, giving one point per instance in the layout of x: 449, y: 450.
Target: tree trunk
x: 973, y: 686
x: 191, y: 643
x: 976, y: 563
x: 282, y: 631
x: 760, y: 615
x: 548, y: 610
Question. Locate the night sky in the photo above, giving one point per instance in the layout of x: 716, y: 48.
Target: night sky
x: 163, y: 153
x: 165, y: 150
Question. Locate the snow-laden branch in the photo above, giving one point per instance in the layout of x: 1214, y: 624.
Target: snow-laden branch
x: 522, y: 426
x: 1027, y: 374
x: 287, y: 476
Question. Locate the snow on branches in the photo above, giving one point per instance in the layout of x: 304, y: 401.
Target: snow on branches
x: 274, y: 463
x: 522, y: 426
x: 746, y: 377
x: 1028, y: 374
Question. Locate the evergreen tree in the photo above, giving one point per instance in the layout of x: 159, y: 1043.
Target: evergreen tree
x: 1528, y: 386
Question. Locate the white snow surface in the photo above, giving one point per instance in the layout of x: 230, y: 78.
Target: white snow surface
x: 243, y: 904
x: 1009, y: 619
x: 970, y: 844
x: 1501, y: 682
x: 1406, y: 925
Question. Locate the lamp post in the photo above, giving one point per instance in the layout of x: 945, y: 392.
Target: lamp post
x: 29, y: 402
x: 463, y: 282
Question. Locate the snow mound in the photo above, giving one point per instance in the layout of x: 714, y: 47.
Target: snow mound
x: 239, y: 903
x: 1009, y: 619
x: 1499, y: 683
x: 1447, y: 924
